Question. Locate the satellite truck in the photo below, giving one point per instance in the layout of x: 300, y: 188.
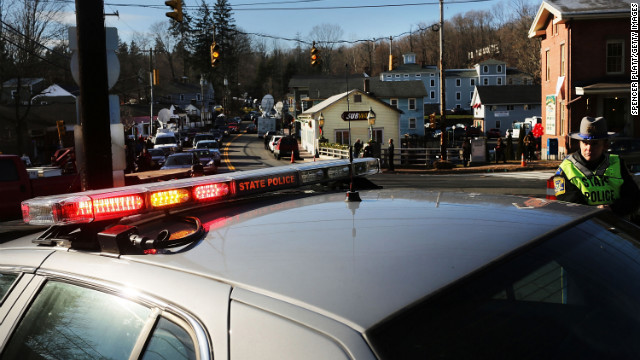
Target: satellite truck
x: 266, y: 122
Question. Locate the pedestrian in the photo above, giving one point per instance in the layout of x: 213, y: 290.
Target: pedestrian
x: 500, y: 151
x: 357, y: 147
x: 592, y: 176
x: 390, y: 151
x: 466, y: 151
x: 528, y: 142
x: 144, y: 160
x: 366, y: 152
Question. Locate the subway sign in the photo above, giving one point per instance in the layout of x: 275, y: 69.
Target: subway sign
x: 354, y: 115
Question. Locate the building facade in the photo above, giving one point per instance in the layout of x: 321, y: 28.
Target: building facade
x: 585, y: 68
x: 499, y: 106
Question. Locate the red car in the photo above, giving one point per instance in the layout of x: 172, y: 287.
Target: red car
x: 493, y: 133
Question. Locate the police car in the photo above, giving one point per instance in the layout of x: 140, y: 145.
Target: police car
x: 272, y: 264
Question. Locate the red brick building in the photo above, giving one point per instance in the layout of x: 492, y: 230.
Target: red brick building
x: 585, y: 68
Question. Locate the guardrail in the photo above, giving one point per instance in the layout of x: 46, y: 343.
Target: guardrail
x: 404, y: 156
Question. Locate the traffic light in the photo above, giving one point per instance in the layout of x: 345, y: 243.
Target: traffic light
x: 176, y: 6
x: 215, y: 54
x: 432, y: 121
x: 156, y: 77
x: 61, y: 128
x: 315, y: 55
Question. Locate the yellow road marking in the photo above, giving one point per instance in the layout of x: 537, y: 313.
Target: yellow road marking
x: 226, y: 154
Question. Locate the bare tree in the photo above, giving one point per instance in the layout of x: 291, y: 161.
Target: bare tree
x: 165, y: 43
x: 326, y: 37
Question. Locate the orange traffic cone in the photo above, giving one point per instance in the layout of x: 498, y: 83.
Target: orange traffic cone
x: 293, y: 160
x: 522, y: 162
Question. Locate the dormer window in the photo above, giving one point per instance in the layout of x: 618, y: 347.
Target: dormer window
x: 499, y: 69
x: 485, y: 69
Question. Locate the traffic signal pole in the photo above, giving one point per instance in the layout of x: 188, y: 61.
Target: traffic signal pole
x: 94, y: 95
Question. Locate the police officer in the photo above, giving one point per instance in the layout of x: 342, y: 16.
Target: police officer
x: 594, y: 177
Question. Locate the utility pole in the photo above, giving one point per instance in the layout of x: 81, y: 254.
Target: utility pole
x: 151, y: 90
x: 443, y: 115
x: 94, y: 95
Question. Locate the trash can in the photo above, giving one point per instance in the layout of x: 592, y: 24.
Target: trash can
x: 552, y: 148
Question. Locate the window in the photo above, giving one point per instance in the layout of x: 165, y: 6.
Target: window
x: 393, y: 102
x: 412, y: 104
x: 181, y: 97
x: 432, y: 83
x: 499, y: 69
x: 377, y: 136
x: 499, y: 81
x: 357, y: 98
x: 432, y: 94
x: 562, y: 120
x: 615, y: 56
x: 432, y: 74
x: 406, y: 75
x: 342, y: 137
x: 493, y: 107
x: 71, y: 322
x: 389, y: 76
x: 397, y: 76
x: 510, y: 107
x: 458, y: 82
x: 6, y: 281
x: 412, y: 123
x: 562, y: 55
x: 527, y: 107
x: 485, y: 81
x: 198, y: 98
x: 472, y: 82
x: 13, y: 94
x: 547, y: 64
x: 471, y: 95
x: 458, y: 95
x: 498, y: 124
x: 485, y: 69
x: 418, y: 75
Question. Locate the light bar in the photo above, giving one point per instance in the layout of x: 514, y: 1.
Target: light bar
x: 109, y: 204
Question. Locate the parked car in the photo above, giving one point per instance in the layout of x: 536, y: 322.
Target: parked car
x: 184, y: 160
x: 629, y: 151
x: 274, y: 141
x: 200, y: 137
x: 286, y: 146
x: 493, y: 133
x: 158, y: 158
x: 472, y: 131
x: 214, y: 148
x: 207, y: 160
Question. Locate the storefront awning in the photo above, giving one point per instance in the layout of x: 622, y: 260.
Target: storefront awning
x: 603, y: 88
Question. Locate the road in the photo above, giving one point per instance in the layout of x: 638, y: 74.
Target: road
x: 246, y: 152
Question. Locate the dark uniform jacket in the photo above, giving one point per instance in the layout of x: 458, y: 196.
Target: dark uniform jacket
x: 599, y: 175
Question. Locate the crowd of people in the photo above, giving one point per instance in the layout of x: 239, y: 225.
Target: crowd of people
x: 138, y: 157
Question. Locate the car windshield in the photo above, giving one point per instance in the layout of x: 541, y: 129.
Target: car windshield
x: 179, y: 160
x: 165, y: 140
x: 573, y: 296
x: 207, y: 145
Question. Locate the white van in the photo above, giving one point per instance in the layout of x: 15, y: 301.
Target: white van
x: 166, y: 141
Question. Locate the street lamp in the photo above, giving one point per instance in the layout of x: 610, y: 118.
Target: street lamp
x: 202, y: 99
x: 453, y: 133
x: 371, y: 117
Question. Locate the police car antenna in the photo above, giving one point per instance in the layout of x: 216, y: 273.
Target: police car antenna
x: 351, y: 195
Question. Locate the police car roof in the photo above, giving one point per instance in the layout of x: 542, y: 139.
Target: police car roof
x: 359, y: 262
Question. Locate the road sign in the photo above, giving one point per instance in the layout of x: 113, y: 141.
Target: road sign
x: 354, y: 115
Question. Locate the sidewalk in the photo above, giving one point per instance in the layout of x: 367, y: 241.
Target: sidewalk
x: 510, y: 166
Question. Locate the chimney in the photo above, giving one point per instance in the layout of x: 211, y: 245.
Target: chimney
x: 366, y: 85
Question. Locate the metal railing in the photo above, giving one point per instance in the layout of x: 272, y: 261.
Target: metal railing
x: 404, y: 156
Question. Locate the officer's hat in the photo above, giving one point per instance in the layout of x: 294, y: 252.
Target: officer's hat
x: 592, y: 129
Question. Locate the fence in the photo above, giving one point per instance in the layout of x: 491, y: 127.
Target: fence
x: 404, y: 156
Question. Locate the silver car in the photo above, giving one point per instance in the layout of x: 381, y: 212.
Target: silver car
x: 272, y: 264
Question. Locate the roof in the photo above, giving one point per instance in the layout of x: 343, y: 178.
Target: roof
x: 509, y: 94
x: 322, y: 87
x: 566, y: 10
x: 335, y: 98
x: 24, y: 82
x: 333, y: 268
x: 55, y: 90
x: 397, y: 89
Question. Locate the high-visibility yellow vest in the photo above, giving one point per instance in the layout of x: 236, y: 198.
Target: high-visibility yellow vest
x: 599, y: 187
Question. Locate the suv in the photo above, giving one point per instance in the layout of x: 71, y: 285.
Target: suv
x: 200, y: 137
x: 285, y: 147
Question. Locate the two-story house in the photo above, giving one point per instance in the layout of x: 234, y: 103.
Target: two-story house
x: 585, y: 68
x: 25, y: 88
x: 499, y: 106
x: 459, y: 83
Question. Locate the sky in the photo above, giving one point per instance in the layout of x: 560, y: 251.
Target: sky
x: 284, y: 19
